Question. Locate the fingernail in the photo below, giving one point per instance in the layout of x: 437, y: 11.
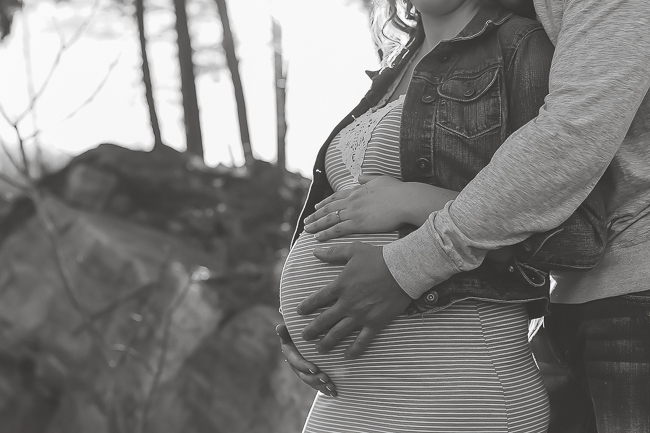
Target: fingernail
x: 320, y: 350
x: 332, y: 392
x: 312, y: 371
x: 321, y: 380
x: 320, y: 249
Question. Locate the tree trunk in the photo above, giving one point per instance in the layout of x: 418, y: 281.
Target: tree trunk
x: 280, y: 95
x: 7, y: 10
x: 188, y: 84
x: 228, y: 45
x: 146, y: 75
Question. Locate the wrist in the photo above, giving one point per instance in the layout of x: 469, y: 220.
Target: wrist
x: 419, y: 204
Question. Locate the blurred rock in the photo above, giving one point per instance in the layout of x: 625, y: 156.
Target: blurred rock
x: 166, y: 321
x: 88, y: 187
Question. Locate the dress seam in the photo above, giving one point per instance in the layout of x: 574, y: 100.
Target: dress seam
x: 496, y: 371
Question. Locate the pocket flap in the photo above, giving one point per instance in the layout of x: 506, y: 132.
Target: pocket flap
x: 467, y: 89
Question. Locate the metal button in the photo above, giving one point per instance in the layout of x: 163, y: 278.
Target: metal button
x: 511, y: 268
x: 423, y: 164
x: 469, y: 92
x: 433, y: 297
x: 428, y: 98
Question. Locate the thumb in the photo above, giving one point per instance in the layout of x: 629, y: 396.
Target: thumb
x: 335, y: 255
x: 283, y: 333
x: 365, y: 178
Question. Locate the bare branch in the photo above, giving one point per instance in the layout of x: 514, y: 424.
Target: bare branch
x: 24, y: 170
x: 13, y: 162
x: 132, y: 353
x: 167, y: 322
x: 55, y: 64
x: 13, y: 182
x: 98, y: 89
x: 28, y: 56
x: 133, y: 294
x: 64, y: 273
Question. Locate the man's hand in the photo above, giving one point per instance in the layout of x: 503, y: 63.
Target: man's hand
x: 365, y: 295
x: 305, y: 370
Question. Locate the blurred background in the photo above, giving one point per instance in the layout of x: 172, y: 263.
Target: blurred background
x: 154, y: 156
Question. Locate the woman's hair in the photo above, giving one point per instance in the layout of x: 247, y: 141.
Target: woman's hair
x: 392, y: 23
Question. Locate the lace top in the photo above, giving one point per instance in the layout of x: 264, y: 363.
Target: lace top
x: 369, y: 145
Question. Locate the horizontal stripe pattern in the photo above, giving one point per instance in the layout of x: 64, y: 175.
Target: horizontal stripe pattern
x: 467, y: 368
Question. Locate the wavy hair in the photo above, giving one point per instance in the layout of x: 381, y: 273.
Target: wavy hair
x: 392, y: 23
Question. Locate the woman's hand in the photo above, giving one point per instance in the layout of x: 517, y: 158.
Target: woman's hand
x: 380, y: 204
x: 305, y: 370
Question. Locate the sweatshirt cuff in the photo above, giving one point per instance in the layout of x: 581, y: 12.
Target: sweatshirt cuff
x: 417, y: 262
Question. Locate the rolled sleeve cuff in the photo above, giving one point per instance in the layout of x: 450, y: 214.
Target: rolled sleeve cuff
x: 417, y: 262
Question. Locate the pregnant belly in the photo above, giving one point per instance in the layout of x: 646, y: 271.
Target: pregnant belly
x: 302, y: 275
x: 458, y: 369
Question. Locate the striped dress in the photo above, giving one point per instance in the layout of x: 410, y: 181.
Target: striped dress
x: 467, y: 368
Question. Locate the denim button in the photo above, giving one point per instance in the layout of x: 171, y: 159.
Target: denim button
x: 433, y: 297
x: 428, y: 98
x: 469, y: 92
x: 423, y: 164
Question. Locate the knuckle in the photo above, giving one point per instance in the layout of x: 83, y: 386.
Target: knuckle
x: 336, y: 334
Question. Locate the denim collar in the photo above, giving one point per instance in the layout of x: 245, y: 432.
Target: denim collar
x: 489, y: 15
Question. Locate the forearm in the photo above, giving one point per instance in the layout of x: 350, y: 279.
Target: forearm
x: 421, y: 199
x: 543, y: 172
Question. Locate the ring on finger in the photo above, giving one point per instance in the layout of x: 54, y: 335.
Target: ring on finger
x: 338, y: 215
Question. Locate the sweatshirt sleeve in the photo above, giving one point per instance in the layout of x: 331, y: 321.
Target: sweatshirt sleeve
x: 599, y: 75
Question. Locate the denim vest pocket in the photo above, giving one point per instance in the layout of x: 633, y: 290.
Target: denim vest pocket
x: 470, y: 105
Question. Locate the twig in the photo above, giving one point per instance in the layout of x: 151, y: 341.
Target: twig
x: 32, y: 192
x: 21, y: 145
x: 64, y: 272
x: 13, y: 162
x: 12, y: 182
x: 126, y: 297
x: 97, y: 90
x: 131, y: 352
x: 64, y: 47
x: 167, y: 322
x: 29, y: 74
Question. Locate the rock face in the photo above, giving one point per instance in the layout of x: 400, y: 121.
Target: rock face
x: 163, y: 318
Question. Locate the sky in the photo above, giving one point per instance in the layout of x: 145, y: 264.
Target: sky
x: 327, y: 47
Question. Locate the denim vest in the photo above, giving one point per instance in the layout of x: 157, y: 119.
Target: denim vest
x: 456, y: 115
